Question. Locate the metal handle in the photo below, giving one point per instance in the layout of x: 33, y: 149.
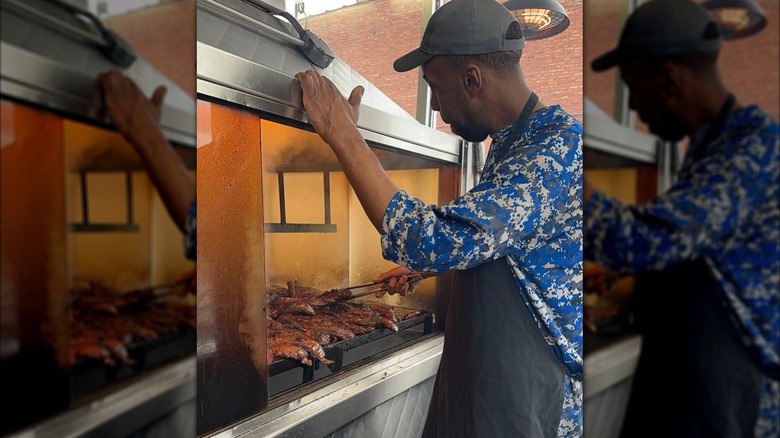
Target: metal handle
x: 312, y: 47
x: 107, y: 41
x: 247, y: 19
x: 63, y: 27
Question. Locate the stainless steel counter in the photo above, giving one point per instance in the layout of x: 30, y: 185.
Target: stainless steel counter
x: 162, y: 399
x: 609, y: 372
x: 340, y: 403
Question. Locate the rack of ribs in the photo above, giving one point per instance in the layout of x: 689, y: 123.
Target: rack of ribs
x: 290, y: 343
x: 105, y: 323
x: 302, y: 319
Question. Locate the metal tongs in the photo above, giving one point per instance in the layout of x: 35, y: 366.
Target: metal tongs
x: 159, y: 290
x: 410, y: 279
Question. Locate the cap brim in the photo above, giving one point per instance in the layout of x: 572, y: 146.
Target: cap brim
x: 606, y: 61
x: 411, y: 60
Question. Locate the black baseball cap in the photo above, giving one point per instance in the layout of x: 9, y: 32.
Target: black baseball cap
x: 463, y: 27
x: 663, y: 28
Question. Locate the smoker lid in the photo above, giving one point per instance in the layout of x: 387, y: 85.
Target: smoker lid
x: 53, y: 52
x: 247, y: 55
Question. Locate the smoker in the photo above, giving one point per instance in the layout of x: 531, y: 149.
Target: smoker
x: 278, y: 220
x: 81, y: 223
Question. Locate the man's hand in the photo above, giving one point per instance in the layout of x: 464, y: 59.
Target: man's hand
x: 330, y: 114
x: 599, y: 280
x: 397, y: 283
x: 131, y: 112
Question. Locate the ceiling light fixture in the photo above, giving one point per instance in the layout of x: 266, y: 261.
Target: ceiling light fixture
x: 737, y: 18
x: 539, y: 18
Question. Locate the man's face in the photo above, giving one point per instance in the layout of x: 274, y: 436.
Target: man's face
x: 450, y: 98
x: 650, y: 99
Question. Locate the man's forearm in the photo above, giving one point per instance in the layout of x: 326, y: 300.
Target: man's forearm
x: 166, y: 170
x: 373, y: 187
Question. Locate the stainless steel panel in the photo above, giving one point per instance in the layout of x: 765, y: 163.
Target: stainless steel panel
x: 609, y: 372
x: 46, y: 66
x: 403, y: 416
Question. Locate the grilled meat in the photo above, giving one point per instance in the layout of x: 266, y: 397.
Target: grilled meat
x: 403, y: 314
x: 362, y: 315
x: 282, y: 305
x: 289, y: 349
x: 293, y: 344
x: 302, y: 319
x: 105, y: 323
x: 317, y: 325
x: 386, y: 312
x: 332, y: 296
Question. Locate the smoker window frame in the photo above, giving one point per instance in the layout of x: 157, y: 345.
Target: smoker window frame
x: 286, y: 227
x: 86, y: 226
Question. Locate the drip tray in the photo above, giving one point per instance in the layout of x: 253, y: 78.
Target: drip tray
x: 88, y: 375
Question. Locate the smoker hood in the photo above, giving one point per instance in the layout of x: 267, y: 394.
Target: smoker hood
x: 248, y: 56
x: 610, y: 144
x: 52, y: 54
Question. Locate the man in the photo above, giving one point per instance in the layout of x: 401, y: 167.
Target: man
x: 709, y: 311
x: 511, y: 365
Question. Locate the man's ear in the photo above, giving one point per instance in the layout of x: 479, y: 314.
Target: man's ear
x: 671, y: 79
x: 472, y: 79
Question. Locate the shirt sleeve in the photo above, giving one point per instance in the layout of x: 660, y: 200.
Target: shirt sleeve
x: 507, y: 213
x: 691, y: 220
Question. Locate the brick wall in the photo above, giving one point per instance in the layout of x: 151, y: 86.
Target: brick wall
x: 370, y: 35
x: 165, y: 37
x: 603, y: 21
x: 553, y: 66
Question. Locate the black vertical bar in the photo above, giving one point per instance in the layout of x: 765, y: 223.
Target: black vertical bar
x: 337, y: 356
x: 428, y: 324
x: 282, y: 208
x: 326, y: 184
x: 84, y: 199
x: 308, y: 373
x: 129, y: 187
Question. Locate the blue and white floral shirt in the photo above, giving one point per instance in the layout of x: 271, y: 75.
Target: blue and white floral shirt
x: 526, y: 207
x: 724, y: 209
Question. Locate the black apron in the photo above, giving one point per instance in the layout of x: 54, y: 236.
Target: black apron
x: 497, y: 377
x: 695, y: 377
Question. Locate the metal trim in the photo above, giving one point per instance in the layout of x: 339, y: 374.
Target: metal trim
x: 170, y: 386
x: 604, y: 134
x: 253, y: 101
